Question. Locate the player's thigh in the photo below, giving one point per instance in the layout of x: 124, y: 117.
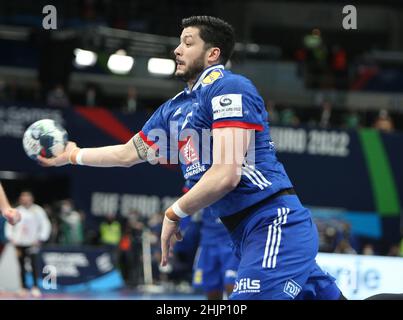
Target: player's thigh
x: 276, y: 258
x: 320, y: 285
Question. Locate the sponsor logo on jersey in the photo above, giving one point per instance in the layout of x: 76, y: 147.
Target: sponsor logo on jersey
x: 247, y: 285
x: 189, y: 152
x: 227, y: 106
x: 292, y: 288
x: 212, y: 76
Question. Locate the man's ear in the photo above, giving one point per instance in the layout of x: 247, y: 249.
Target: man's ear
x: 214, y: 55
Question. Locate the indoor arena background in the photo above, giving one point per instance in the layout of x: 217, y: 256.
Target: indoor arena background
x: 334, y: 92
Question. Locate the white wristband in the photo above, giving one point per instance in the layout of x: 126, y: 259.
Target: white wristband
x: 178, y: 211
x: 79, y: 157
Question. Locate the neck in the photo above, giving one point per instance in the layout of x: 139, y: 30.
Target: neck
x: 191, y: 83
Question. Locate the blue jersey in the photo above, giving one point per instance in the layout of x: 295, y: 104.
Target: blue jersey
x: 218, y: 99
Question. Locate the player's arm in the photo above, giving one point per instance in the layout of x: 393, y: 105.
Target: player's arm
x: 11, y: 214
x: 229, y: 149
x: 121, y: 155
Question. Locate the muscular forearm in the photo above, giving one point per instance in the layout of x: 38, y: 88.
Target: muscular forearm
x: 110, y: 156
x: 122, y: 155
x: 214, y: 185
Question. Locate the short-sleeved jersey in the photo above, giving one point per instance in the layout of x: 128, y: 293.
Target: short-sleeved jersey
x: 181, y: 130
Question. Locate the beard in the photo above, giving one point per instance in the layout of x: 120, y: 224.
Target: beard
x: 193, y: 70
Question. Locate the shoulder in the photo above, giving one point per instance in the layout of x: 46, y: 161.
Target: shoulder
x: 232, y: 82
x: 166, y: 109
x: 38, y: 208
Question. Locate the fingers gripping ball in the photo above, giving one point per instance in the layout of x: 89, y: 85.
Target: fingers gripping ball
x: 44, y: 137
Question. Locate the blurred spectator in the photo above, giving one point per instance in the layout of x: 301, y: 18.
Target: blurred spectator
x: 394, y: 251
x: 54, y: 222
x: 326, y: 114
x: 346, y: 241
x: 316, y: 61
x: 136, y: 224
x: 329, y: 239
x: 352, y: 120
x: 338, y: 65
x: 110, y: 231
x: 27, y: 236
x: 57, y: 97
x: 91, y: 99
x: 131, y: 100
x: 384, y: 122
x: 344, y: 246
x: 3, y: 93
x: 71, y: 224
x: 300, y: 57
x: 125, y: 257
x: 289, y: 118
x: 368, y: 250
x: 273, y: 113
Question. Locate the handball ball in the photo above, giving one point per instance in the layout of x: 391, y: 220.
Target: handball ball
x: 44, y: 137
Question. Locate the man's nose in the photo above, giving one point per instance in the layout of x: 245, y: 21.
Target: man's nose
x: 177, y: 51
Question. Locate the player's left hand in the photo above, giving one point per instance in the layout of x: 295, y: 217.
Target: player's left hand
x: 61, y: 160
x: 12, y: 216
x: 169, y: 228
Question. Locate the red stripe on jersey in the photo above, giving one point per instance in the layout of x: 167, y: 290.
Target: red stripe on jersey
x: 144, y: 137
x: 237, y: 124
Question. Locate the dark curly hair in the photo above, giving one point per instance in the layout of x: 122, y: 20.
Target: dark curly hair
x: 214, y: 32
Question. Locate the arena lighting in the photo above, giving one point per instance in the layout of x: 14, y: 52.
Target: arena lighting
x: 161, y: 66
x: 84, y: 58
x: 120, y: 63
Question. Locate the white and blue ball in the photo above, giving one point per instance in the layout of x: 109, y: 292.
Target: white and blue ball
x: 44, y: 137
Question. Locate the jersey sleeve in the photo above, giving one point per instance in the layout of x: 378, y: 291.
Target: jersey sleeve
x: 155, y: 130
x: 236, y: 103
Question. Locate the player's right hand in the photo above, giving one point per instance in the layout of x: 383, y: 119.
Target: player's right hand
x: 61, y: 160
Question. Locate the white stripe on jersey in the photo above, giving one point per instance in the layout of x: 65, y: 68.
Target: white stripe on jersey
x: 258, y: 180
x: 286, y: 211
x: 252, y: 180
x: 263, y: 178
x: 266, y: 251
x: 177, y: 95
x: 274, y: 238
x: 204, y: 74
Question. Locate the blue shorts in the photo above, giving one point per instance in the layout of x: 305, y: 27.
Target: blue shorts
x: 277, y: 245
x: 215, y: 267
